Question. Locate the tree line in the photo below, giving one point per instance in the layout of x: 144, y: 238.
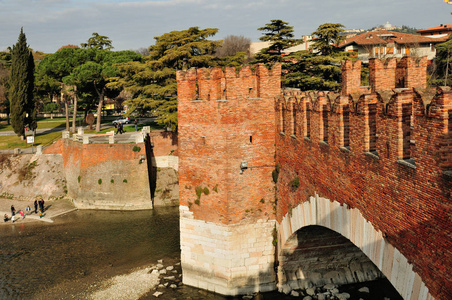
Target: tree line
x: 83, y: 76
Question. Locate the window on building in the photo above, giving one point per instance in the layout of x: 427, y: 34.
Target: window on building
x: 353, y: 53
x: 325, y: 124
x: 346, y: 116
x: 283, y: 113
x: 373, y: 128
x: 450, y: 122
x: 390, y: 50
x: 308, y: 123
x: 406, y: 130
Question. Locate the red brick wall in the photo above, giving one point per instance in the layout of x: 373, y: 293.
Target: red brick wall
x: 382, y: 74
x: 164, y: 142
x: 351, y: 78
x: 412, y: 71
x: 94, y: 154
x: 412, y: 206
x: 104, y: 175
x: 219, y: 112
x: 226, y: 118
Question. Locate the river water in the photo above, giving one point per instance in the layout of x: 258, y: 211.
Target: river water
x: 82, y: 247
x: 64, y: 259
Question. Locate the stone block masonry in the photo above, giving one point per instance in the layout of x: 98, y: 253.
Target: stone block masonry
x: 226, y: 156
x: 231, y: 259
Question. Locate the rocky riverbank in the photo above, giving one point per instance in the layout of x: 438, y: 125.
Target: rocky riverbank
x: 27, y: 176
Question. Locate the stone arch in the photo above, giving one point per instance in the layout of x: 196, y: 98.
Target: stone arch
x: 351, y: 224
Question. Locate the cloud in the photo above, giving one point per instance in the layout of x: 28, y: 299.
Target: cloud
x: 49, y: 24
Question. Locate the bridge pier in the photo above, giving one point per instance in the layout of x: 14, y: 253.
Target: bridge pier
x: 226, y: 191
x: 227, y: 259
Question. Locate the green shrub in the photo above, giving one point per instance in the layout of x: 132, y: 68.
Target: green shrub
x: 136, y: 149
x: 79, y: 178
x: 206, y: 191
x: 294, y: 183
x: 112, y: 180
x: 99, y: 181
x: 275, y: 173
x: 125, y: 181
x: 199, y: 191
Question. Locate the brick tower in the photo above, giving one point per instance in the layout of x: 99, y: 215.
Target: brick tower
x: 227, y: 147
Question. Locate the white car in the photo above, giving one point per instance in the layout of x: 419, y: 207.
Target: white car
x: 123, y: 120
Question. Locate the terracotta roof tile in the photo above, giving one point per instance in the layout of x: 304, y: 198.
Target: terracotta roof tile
x: 380, y: 37
x: 445, y: 27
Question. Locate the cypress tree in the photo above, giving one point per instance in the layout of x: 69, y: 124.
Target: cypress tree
x: 23, y: 110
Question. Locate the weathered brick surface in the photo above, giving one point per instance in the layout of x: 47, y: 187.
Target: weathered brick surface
x: 410, y: 204
x: 385, y: 150
x: 164, y: 142
x: 226, y: 119
x: 103, y: 175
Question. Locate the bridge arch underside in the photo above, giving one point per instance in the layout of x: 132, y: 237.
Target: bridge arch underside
x: 373, y: 256
x: 316, y: 256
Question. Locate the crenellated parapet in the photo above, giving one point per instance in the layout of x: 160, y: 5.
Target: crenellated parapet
x: 385, y: 150
x: 380, y: 121
x: 228, y: 84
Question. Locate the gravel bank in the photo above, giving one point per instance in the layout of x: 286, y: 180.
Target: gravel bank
x: 127, y: 287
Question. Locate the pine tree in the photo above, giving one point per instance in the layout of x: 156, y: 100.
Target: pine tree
x: 281, y: 37
x: 327, y: 37
x: 153, y: 84
x: 23, y: 110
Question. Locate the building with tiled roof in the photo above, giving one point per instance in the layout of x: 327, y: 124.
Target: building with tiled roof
x: 442, y: 29
x: 384, y: 43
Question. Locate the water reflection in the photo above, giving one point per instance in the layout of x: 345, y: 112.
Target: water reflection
x: 82, y: 247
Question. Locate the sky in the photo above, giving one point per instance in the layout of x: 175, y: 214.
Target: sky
x: 133, y: 24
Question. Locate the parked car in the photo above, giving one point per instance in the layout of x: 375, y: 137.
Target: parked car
x: 123, y: 120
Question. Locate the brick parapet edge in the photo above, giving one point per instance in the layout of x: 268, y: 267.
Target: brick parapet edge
x: 409, y: 200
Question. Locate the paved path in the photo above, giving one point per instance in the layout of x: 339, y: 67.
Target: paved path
x: 53, y: 209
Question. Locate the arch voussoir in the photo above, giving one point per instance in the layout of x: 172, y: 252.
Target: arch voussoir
x: 351, y: 224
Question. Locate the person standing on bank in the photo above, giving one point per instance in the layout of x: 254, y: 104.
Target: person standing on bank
x: 41, y: 205
x: 13, y: 210
x: 120, y: 128
x: 136, y: 124
x: 36, y: 206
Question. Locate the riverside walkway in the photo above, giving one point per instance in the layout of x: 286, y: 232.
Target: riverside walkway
x: 53, y: 209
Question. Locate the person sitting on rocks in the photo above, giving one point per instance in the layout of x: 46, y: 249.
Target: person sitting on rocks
x: 5, y: 217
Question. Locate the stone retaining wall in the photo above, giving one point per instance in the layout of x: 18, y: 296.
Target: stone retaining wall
x: 232, y: 259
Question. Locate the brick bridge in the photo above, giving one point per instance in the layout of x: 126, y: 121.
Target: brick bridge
x: 286, y: 189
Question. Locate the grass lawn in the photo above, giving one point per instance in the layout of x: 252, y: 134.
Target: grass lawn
x: 13, y: 141
x: 48, y: 123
